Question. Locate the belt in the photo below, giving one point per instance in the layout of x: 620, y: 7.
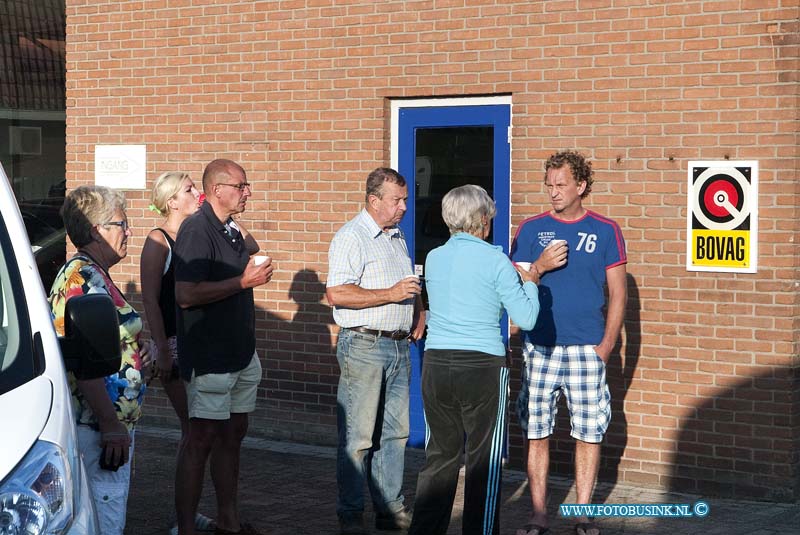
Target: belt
x: 394, y: 335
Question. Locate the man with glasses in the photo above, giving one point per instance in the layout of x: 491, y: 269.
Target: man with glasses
x: 214, y: 281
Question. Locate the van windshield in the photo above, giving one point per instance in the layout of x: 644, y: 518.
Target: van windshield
x: 16, y: 358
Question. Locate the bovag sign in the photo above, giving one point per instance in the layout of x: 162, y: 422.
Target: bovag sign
x: 722, y: 216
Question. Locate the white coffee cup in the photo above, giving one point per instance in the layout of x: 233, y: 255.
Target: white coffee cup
x: 524, y: 265
x: 554, y: 243
x: 260, y: 259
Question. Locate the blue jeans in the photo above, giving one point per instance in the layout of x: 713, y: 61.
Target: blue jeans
x: 372, y: 421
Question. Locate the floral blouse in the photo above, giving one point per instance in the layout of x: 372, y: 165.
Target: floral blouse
x: 125, y: 388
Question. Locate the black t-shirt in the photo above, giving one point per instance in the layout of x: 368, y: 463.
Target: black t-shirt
x: 217, y: 337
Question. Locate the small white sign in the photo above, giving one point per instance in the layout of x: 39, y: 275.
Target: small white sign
x: 120, y: 166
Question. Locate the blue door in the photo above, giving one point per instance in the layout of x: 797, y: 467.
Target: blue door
x: 440, y: 148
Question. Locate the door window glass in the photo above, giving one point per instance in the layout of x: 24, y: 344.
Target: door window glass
x: 445, y: 159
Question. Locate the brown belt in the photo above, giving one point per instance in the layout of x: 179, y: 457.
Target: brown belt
x: 394, y: 335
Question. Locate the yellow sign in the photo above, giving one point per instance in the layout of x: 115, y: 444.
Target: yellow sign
x: 726, y: 248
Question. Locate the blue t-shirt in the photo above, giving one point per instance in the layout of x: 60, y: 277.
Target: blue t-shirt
x: 572, y: 297
x: 469, y: 283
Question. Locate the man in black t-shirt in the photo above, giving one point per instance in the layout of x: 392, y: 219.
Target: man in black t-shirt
x: 214, y: 281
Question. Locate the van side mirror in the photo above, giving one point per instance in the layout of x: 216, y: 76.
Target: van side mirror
x: 90, y: 345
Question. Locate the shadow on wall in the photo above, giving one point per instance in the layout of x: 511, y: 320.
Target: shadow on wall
x: 300, y: 372
x: 133, y: 295
x: 619, y: 373
x: 300, y: 369
x: 741, y: 443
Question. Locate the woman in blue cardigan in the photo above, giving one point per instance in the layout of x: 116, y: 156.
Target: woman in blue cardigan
x: 464, y: 375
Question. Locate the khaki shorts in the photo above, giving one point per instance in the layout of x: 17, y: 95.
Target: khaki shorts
x: 215, y: 396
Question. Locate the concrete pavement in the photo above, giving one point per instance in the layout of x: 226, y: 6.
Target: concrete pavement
x: 290, y: 489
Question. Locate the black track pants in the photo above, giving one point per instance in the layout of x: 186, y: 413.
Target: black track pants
x: 465, y: 394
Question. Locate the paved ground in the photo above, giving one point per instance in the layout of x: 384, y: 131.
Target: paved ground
x: 290, y: 489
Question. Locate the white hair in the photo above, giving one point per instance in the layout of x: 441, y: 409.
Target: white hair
x: 464, y: 207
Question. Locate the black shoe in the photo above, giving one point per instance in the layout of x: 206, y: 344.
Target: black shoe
x: 401, y: 520
x: 352, y: 524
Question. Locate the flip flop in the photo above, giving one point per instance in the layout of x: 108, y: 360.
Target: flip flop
x: 532, y: 529
x: 587, y: 528
x: 202, y: 524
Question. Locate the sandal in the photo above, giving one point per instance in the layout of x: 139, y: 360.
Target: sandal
x: 532, y: 529
x: 202, y: 524
x: 587, y: 528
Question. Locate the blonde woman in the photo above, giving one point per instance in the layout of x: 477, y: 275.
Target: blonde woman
x: 176, y: 198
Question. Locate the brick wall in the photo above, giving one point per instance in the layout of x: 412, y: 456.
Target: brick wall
x: 705, y: 380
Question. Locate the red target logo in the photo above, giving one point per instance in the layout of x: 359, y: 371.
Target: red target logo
x: 721, y: 198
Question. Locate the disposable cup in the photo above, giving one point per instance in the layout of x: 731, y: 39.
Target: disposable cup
x: 554, y: 243
x: 260, y: 259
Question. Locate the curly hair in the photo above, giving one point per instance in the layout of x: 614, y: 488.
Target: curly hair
x: 581, y: 167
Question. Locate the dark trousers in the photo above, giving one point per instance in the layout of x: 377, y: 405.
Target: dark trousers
x: 465, y: 394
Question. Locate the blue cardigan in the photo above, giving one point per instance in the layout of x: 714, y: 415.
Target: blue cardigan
x: 469, y: 283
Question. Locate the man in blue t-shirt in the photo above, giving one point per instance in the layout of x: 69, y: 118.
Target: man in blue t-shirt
x: 576, y: 253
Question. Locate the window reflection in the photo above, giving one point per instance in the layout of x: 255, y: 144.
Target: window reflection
x: 33, y: 120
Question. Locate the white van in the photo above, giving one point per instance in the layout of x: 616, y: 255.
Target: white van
x: 43, y: 487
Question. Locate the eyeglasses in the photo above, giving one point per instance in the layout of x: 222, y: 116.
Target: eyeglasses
x: 121, y: 224
x: 240, y: 187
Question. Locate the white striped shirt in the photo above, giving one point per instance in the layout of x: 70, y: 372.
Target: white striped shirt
x: 361, y: 253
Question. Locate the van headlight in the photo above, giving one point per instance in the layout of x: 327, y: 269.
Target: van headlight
x: 36, y: 498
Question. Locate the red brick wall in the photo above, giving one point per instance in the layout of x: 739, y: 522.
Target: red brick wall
x: 704, y: 383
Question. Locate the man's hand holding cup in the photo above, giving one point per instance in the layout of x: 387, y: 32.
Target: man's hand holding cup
x: 554, y: 255
x: 258, y: 271
x: 406, y: 288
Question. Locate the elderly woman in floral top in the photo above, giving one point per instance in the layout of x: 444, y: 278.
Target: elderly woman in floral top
x: 106, y: 409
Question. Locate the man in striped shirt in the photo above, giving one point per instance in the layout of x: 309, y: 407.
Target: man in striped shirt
x: 377, y: 305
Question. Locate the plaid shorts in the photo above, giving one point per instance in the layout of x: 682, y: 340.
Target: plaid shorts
x: 580, y: 374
